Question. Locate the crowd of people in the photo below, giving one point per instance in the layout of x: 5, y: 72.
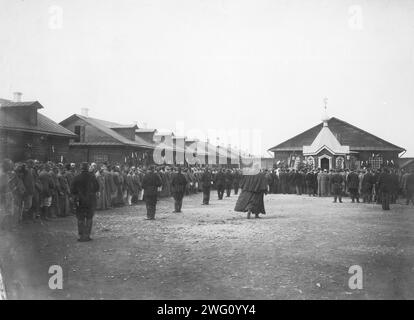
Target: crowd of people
x: 381, y: 186
x: 31, y: 190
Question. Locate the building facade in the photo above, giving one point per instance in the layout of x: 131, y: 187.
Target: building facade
x: 103, y: 141
x: 27, y: 134
x: 336, y: 144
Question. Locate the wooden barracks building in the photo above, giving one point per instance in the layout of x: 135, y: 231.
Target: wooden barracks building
x: 104, y: 141
x: 335, y: 144
x: 27, y: 134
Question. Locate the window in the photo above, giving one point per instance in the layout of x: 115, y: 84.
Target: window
x: 375, y: 161
x: 100, y: 158
x: 77, y: 132
x: 80, y: 132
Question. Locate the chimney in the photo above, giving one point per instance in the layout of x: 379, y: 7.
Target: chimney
x: 17, y: 96
x: 85, y: 112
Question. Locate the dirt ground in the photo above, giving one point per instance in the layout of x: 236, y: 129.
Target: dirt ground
x: 301, y: 249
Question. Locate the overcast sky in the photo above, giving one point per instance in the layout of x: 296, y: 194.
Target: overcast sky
x: 216, y: 64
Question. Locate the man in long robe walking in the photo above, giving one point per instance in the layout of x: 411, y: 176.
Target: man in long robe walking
x: 251, y: 198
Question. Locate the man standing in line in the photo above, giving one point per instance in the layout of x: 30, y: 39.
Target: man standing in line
x: 409, y: 188
x: 219, y: 182
x: 385, y: 188
x: 85, y: 189
x: 206, y: 179
x: 337, y: 181
x: 228, y: 182
x: 178, y: 185
x: 236, y: 181
x: 47, y: 186
x: 353, y: 185
x: 28, y: 179
x: 150, y: 184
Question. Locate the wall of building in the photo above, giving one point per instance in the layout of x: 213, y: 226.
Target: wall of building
x: 110, y: 154
x: 91, y: 133
x: 19, y: 146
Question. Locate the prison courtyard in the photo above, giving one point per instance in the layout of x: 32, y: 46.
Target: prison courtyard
x: 303, y: 248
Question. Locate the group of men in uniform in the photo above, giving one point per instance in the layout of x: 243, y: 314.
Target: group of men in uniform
x: 47, y: 190
x: 382, y: 186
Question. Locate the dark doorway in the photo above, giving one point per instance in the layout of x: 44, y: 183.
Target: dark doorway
x: 325, y: 164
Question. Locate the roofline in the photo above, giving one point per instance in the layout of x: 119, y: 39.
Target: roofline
x: 275, y: 147
x: 394, y: 145
x: 86, y: 119
x: 16, y: 104
x: 132, y: 126
x: 397, y: 148
x: 39, y: 131
x: 109, y: 144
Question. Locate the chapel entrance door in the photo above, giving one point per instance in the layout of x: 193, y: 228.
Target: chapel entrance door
x: 325, y: 164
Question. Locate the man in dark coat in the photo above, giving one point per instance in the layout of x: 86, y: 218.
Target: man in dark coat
x: 409, y: 188
x: 283, y: 181
x: 337, y: 181
x: 385, y: 185
x: 275, y: 188
x: 28, y: 179
x: 84, y: 189
x: 236, y: 181
x: 367, y: 186
x: 178, y: 187
x: 291, y: 178
x: 206, y: 179
x: 310, y: 183
x: 251, y: 198
x: 47, y: 186
x: 298, y: 179
x: 228, y: 178
x: 353, y: 185
x: 150, y: 184
x: 219, y: 182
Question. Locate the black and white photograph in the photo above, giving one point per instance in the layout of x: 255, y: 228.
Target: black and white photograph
x: 206, y: 150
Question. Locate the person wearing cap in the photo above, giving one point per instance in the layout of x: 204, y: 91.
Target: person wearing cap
x: 47, y: 189
x: 385, y: 185
x: 228, y: 182
x: 29, y: 181
x: 85, y: 189
x: 150, y: 183
x: 178, y: 185
x: 64, y: 207
x: 219, y: 183
x: 11, y: 194
x: 353, y: 185
x: 236, y: 181
x: 337, y: 181
x: 206, y: 181
x: 409, y: 188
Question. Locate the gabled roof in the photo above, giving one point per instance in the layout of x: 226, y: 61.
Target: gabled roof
x: 44, y: 125
x: 325, y: 140
x: 106, y: 127
x: 347, y: 134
